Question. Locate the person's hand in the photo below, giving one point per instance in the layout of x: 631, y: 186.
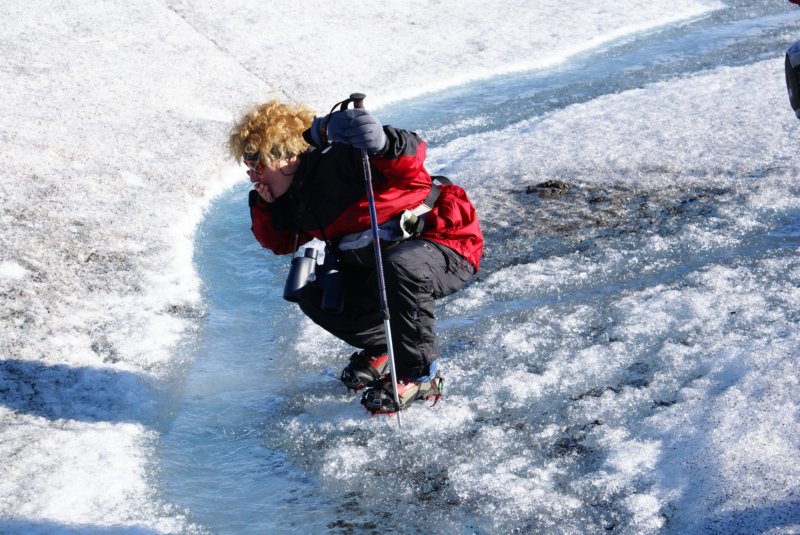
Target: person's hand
x: 264, y: 191
x: 355, y: 127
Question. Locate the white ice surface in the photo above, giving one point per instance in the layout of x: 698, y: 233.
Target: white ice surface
x: 114, y: 117
x: 723, y: 449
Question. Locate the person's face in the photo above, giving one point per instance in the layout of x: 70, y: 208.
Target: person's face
x: 272, y: 179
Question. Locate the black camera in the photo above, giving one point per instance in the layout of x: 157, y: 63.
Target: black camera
x: 301, y: 272
x: 305, y: 270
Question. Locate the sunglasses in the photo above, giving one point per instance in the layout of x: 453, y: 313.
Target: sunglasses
x: 253, y: 162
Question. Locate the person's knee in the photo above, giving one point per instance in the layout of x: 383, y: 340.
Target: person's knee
x: 409, y: 263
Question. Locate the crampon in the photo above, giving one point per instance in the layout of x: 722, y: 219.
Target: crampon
x: 379, y: 398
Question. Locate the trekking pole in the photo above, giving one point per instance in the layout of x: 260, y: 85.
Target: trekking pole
x: 358, y: 102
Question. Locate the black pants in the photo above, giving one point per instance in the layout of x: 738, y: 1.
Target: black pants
x: 416, y: 272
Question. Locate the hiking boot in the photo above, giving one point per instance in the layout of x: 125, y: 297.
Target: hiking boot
x: 379, y: 399
x: 364, y: 370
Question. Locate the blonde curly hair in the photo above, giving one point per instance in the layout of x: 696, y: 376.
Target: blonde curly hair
x: 273, y: 131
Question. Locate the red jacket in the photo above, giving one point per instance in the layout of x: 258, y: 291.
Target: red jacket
x: 327, y: 199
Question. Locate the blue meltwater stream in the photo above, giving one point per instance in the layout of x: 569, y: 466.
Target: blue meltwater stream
x: 214, y: 455
x: 215, y: 464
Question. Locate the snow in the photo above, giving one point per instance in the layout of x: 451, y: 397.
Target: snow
x: 114, y: 122
x: 12, y: 270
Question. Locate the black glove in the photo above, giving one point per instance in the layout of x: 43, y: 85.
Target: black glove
x: 355, y: 127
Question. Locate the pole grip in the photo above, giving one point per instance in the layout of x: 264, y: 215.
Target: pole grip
x: 358, y: 99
